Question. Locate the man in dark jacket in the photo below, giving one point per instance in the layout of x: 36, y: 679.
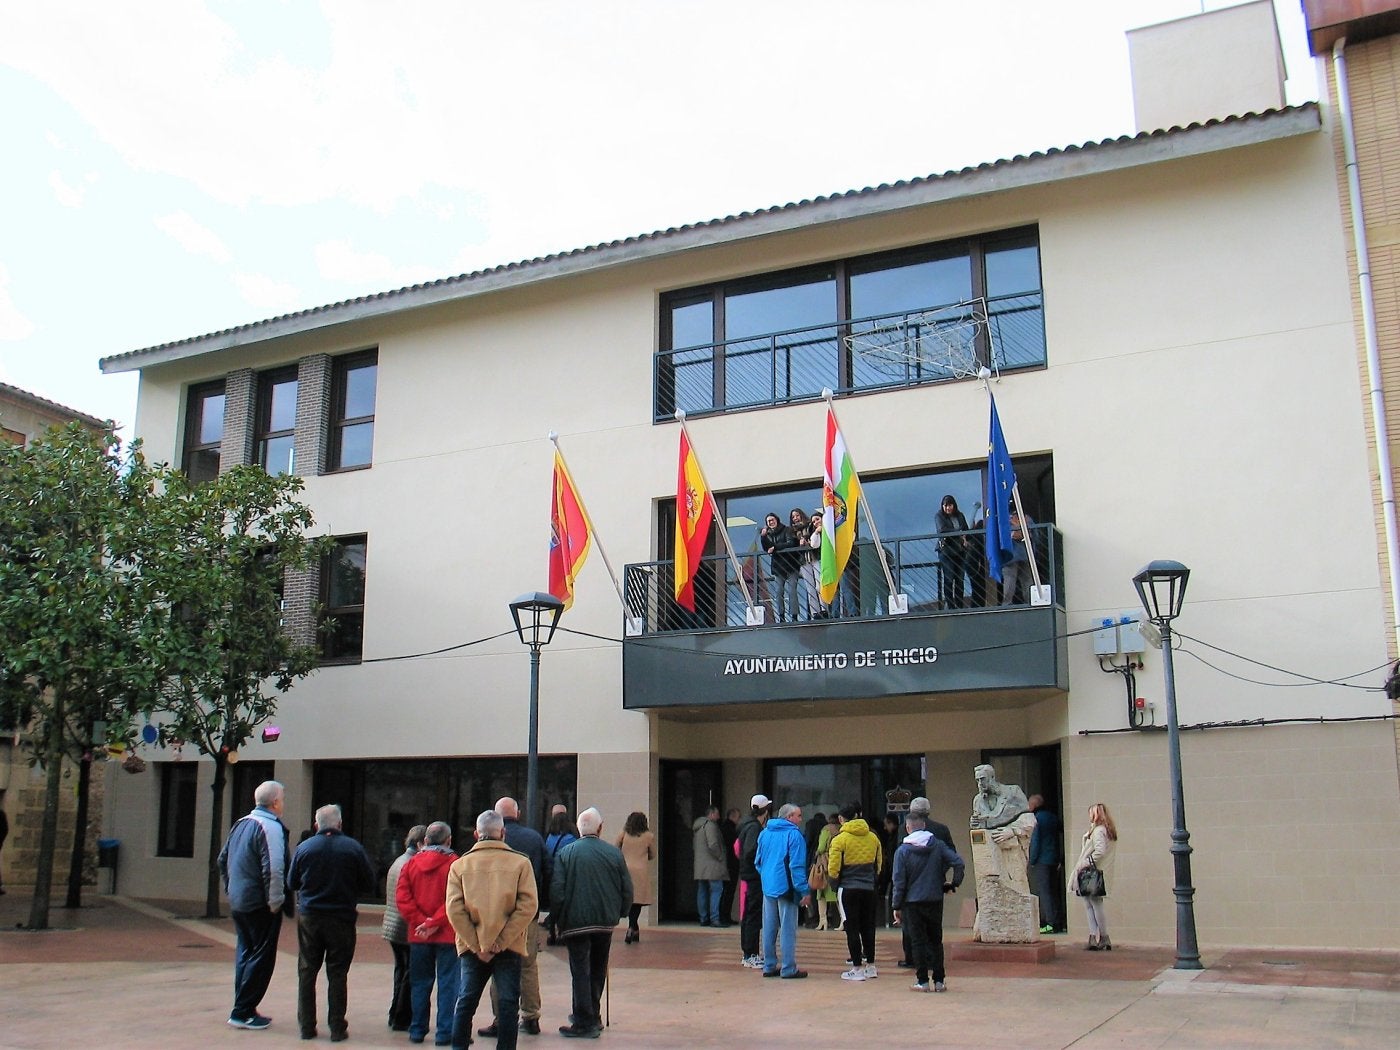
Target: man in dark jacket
x: 253, y: 864
x: 729, y: 828
x: 920, y: 807
x: 330, y: 872
x: 920, y: 879
x: 751, y: 919
x: 530, y: 842
x: 1043, y: 863
x: 590, y: 893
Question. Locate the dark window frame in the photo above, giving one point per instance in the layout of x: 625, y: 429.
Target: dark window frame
x: 179, y: 795
x: 197, y: 397
x: 330, y: 654
x: 263, y: 432
x: 341, y: 368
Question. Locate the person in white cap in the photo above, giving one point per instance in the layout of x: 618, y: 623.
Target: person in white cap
x: 751, y: 907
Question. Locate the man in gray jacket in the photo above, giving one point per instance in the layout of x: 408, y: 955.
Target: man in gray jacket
x: 711, y: 868
x: 920, y: 879
x: 253, y: 864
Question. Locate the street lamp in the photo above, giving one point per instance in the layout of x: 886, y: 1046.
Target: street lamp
x: 536, y: 616
x: 1161, y: 588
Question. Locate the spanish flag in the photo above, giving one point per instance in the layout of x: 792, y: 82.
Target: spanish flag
x: 571, y: 535
x: 840, y: 498
x: 693, y: 512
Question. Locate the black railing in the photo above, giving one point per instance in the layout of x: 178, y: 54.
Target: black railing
x: 910, y: 348
x: 935, y: 579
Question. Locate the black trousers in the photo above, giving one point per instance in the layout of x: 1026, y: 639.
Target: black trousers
x: 324, y: 937
x: 924, y: 921
x: 726, y: 895
x: 860, y: 908
x: 588, y: 966
x: 401, y: 1001
x: 254, y: 958
x: 751, y: 922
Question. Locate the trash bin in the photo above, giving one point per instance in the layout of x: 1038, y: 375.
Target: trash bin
x: 107, y: 853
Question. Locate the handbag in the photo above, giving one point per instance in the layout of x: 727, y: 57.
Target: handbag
x: 1091, y: 882
x: 819, y: 877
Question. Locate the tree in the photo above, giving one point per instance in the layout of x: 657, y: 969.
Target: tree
x: 74, y: 511
x: 219, y: 560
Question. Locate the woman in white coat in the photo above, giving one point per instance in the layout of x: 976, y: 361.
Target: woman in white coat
x: 1099, y: 843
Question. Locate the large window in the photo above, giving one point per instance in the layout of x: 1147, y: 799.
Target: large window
x: 353, y: 383
x: 204, y: 431
x: 178, y: 792
x: 343, y: 601
x: 277, y: 420
x: 897, y: 319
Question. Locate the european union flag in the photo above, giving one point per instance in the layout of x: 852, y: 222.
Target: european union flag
x: 1001, y: 479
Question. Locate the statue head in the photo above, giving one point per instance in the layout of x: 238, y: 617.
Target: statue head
x: 986, y: 778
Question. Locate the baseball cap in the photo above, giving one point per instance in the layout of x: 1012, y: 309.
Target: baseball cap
x: 759, y: 801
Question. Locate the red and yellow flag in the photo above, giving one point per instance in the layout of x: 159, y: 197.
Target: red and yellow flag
x: 571, y: 535
x: 693, y: 513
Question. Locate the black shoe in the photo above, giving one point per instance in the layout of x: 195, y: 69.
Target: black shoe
x: 905, y: 964
x: 796, y: 975
x: 308, y: 1033
x: 770, y: 973
x: 340, y: 1036
x: 489, y: 1031
x: 569, y: 1031
x: 530, y: 1025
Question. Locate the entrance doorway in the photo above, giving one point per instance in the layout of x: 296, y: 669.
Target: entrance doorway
x: 688, y: 789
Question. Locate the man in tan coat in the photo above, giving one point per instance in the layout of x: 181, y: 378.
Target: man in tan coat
x: 491, y: 902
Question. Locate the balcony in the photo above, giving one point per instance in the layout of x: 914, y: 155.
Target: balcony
x: 673, y: 657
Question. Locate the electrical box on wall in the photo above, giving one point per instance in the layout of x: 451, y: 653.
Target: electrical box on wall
x: 1130, y: 639
x: 1119, y: 636
x: 1106, y: 639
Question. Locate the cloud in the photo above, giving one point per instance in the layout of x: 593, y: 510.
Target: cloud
x: 193, y: 236
x: 67, y: 195
x: 14, y: 326
x: 267, y: 293
x: 338, y: 260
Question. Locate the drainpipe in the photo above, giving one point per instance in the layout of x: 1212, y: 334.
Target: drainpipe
x: 1368, y: 323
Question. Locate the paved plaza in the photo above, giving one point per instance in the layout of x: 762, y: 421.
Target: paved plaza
x: 122, y: 972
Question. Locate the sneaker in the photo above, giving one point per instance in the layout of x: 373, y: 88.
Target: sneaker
x: 917, y: 987
x: 855, y: 973
x: 1047, y: 928
x: 939, y: 986
x: 870, y: 973
x: 754, y: 962
x: 255, y: 1023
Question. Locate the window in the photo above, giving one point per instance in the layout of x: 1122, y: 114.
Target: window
x: 352, y: 411
x: 178, y: 784
x: 343, y: 601
x: 276, y: 421
x: 856, y: 324
x: 204, y: 431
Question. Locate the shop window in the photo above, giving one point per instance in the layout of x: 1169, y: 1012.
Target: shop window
x: 179, y: 782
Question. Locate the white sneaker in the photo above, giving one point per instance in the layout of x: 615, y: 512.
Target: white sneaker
x: 917, y: 987
x: 855, y: 973
x: 753, y: 962
x: 870, y: 973
x: 939, y: 986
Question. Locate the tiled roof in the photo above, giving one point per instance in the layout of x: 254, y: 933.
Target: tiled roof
x: 649, y: 244
x: 51, y: 407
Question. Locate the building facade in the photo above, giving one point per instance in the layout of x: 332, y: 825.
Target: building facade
x: 1166, y: 323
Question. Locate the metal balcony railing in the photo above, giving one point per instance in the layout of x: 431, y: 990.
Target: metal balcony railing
x: 930, y: 578
x: 910, y: 348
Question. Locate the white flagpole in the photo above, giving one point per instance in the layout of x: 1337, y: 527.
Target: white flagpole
x: 894, y: 599
x: 719, y: 520
x: 554, y: 439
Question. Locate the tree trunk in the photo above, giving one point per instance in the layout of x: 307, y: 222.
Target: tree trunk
x: 216, y: 835
x: 80, y: 829
x: 48, y: 833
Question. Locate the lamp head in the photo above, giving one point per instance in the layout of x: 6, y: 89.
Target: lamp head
x: 1161, y: 587
x: 536, y: 616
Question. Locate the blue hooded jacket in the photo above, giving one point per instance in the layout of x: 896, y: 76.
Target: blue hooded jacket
x: 781, y: 860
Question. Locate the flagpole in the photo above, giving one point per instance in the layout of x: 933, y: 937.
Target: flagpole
x: 718, y: 517
x: 864, y: 503
x: 1029, y: 539
x: 554, y: 438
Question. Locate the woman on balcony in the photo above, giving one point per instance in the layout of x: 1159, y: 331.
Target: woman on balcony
x: 808, y: 561
x: 778, y: 541
x: 951, y: 527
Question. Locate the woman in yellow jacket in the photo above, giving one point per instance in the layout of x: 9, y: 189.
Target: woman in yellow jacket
x: 822, y: 900
x: 1099, y: 843
x: 854, y: 863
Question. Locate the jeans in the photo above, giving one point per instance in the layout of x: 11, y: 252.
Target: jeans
x: 786, y: 587
x: 811, y: 582
x: 1044, y: 885
x: 1098, y: 919
x: 426, y: 961
x: 707, y: 895
x: 401, y: 1001
x: 327, y: 936
x: 588, y: 966
x: 859, y: 906
x: 254, y: 958
x: 529, y: 981
x: 751, y: 922
x: 779, y: 922
x: 924, y: 921
x: 503, y: 971
x: 1015, y: 574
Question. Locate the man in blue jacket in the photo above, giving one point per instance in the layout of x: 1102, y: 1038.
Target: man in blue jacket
x: 1043, y: 863
x: 330, y: 872
x: 920, y: 879
x: 781, y: 861
x: 253, y: 864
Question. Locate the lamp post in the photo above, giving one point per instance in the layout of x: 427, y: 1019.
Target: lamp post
x: 1161, y: 588
x: 536, y: 616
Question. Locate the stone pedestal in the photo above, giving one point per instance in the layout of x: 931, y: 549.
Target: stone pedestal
x: 972, y: 951
x: 1007, y: 911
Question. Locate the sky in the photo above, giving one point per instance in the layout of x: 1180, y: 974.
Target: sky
x: 174, y: 167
